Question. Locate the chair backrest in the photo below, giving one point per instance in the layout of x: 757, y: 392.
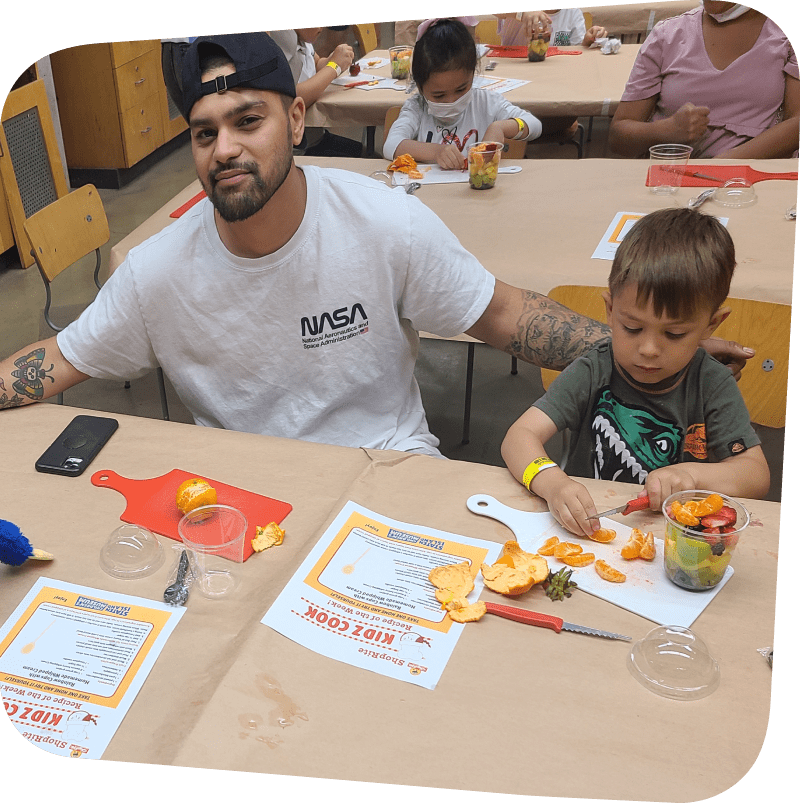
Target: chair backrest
x: 392, y: 113
x: 366, y: 38
x: 587, y: 19
x: 516, y: 149
x: 67, y: 230
x: 762, y: 325
x: 486, y: 32
x: 586, y: 300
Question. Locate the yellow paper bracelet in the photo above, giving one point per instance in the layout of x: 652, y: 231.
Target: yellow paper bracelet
x: 540, y: 464
x: 335, y: 67
x: 521, y: 124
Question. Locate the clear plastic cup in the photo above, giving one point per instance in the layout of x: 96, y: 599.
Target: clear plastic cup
x: 400, y: 61
x: 484, y: 160
x: 693, y: 559
x: 214, y: 536
x: 667, y: 163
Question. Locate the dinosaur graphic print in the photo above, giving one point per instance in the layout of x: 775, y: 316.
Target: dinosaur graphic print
x: 630, y: 441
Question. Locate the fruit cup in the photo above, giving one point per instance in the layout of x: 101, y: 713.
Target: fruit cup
x: 484, y: 159
x: 537, y: 47
x: 696, y: 555
x: 400, y: 61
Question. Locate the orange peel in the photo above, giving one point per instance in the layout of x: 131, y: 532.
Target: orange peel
x: 267, y: 537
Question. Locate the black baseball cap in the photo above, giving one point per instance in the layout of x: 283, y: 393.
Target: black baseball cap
x: 259, y: 63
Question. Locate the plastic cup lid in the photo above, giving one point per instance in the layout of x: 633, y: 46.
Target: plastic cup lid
x: 131, y: 552
x: 674, y: 662
x: 735, y: 192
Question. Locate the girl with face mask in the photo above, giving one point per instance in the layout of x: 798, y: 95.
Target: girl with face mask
x: 722, y: 78
x: 447, y: 116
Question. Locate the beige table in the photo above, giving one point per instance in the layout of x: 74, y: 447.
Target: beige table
x: 589, y: 85
x: 637, y: 19
x: 567, y: 204
x: 518, y: 710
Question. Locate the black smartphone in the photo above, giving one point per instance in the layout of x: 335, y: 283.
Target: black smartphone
x: 77, y: 445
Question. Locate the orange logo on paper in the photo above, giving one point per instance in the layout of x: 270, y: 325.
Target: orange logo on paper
x: 414, y: 670
x: 695, y: 441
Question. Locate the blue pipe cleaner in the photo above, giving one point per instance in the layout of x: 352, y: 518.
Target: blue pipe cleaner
x: 15, y: 548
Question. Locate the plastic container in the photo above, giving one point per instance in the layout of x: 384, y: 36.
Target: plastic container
x: 400, y: 61
x: 484, y: 161
x: 537, y: 47
x: 667, y: 167
x: 131, y: 552
x: 693, y: 559
x: 735, y: 192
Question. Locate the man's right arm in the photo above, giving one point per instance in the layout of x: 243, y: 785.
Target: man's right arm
x: 35, y: 373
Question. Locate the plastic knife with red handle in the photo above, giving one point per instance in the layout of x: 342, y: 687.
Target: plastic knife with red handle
x: 543, y: 620
x: 640, y: 503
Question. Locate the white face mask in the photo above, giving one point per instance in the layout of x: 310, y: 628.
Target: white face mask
x: 731, y: 14
x: 450, y: 112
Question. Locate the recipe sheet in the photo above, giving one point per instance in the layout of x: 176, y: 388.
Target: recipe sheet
x: 362, y: 595
x: 72, y: 659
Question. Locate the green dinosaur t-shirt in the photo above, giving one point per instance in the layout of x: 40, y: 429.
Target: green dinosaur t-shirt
x: 621, y: 433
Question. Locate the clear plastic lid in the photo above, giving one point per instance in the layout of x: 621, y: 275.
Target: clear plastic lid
x: 674, y: 662
x: 131, y: 552
x: 735, y: 192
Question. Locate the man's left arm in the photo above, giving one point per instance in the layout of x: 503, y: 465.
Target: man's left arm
x: 539, y: 330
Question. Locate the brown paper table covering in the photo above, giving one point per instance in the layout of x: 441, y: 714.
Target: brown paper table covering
x: 538, y: 228
x: 637, y: 18
x: 589, y: 85
x: 519, y: 709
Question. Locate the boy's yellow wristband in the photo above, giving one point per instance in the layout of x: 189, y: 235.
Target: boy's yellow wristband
x: 540, y: 464
x: 337, y: 69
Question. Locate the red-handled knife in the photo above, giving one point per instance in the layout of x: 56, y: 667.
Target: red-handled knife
x: 640, y: 503
x: 543, y: 620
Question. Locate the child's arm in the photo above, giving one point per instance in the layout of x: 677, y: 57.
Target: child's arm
x: 595, y: 32
x: 568, y: 500
x: 446, y: 155
x: 312, y: 88
x: 501, y: 130
x: 745, y: 474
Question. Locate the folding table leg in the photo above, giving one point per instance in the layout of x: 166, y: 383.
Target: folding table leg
x: 468, y: 393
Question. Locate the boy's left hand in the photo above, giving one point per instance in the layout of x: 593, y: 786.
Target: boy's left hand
x: 664, y: 482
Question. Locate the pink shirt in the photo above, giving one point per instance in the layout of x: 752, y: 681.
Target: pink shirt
x: 744, y: 98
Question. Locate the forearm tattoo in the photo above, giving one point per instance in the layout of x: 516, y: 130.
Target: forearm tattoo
x: 550, y: 335
x: 30, y: 376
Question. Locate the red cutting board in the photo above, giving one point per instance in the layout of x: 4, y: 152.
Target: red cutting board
x: 151, y: 503
x: 722, y: 172
x: 188, y: 205
x: 521, y: 51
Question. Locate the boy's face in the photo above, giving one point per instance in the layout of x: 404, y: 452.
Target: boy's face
x: 652, y: 348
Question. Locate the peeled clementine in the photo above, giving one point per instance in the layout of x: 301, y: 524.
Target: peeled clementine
x: 194, y: 493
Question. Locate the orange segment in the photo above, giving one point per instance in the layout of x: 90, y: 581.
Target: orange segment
x: 682, y: 515
x: 648, y: 548
x: 565, y: 548
x: 633, y: 547
x: 548, y: 546
x: 715, y: 501
x: 583, y: 559
x: 608, y: 572
x: 603, y: 535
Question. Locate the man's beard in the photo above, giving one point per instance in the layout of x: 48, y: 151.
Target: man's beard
x: 236, y: 205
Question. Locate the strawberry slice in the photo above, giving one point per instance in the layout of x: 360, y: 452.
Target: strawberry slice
x: 724, y: 517
x: 727, y: 529
x: 729, y: 513
x: 713, y: 530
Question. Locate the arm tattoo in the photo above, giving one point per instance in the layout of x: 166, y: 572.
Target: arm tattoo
x: 14, y: 401
x: 550, y: 335
x: 30, y: 374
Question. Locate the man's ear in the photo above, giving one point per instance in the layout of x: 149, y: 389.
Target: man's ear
x: 297, y: 120
x: 607, y: 298
x: 716, y: 319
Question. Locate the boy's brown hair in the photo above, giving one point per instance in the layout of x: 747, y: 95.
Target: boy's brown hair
x: 680, y: 259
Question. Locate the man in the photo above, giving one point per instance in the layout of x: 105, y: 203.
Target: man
x: 288, y: 303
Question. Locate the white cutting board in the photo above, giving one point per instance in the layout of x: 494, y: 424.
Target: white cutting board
x: 433, y: 174
x: 647, y: 591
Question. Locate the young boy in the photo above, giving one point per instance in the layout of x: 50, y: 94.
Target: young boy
x: 649, y: 407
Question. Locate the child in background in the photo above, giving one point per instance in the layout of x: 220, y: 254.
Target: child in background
x: 649, y: 407
x: 567, y: 27
x: 448, y: 115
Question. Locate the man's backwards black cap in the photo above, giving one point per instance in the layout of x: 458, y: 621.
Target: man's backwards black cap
x: 259, y: 63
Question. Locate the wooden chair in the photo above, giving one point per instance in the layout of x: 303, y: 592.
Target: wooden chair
x: 366, y: 38
x: 486, y: 33
x: 61, y: 234
x: 761, y: 325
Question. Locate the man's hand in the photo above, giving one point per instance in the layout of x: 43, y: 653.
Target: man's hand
x: 449, y: 157
x: 729, y: 353
x: 690, y: 122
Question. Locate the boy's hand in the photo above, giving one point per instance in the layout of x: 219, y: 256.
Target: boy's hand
x: 568, y: 500
x: 664, y: 482
x: 596, y: 32
x: 449, y: 157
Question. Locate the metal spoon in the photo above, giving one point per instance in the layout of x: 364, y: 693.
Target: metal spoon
x: 413, y: 187
x: 178, y: 592
x: 699, y: 200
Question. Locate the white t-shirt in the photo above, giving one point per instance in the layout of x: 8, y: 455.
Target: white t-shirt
x: 299, y: 54
x: 317, y: 341
x: 568, y: 28
x: 416, y: 122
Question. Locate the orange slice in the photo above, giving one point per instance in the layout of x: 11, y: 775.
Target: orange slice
x: 608, y: 572
x: 715, y: 501
x: 634, y: 545
x: 565, y: 548
x: 583, y: 559
x: 548, y: 546
x: 648, y: 551
x: 603, y: 535
x: 194, y: 493
x: 682, y: 515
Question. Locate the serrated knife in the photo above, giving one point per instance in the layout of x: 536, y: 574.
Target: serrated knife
x: 544, y: 620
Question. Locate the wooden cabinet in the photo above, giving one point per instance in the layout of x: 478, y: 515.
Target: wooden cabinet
x: 113, y: 104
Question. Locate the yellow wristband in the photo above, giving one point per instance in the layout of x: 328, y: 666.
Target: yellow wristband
x: 335, y: 66
x: 540, y: 464
x: 521, y: 123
